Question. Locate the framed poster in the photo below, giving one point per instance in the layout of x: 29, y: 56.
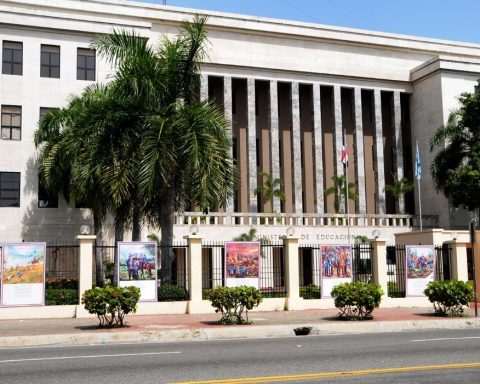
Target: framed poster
x: 336, y: 266
x: 137, y: 266
x: 242, y: 263
x: 23, y: 274
x: 420, y: 268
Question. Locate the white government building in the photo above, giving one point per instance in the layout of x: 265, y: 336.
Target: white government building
x: 289, y: 91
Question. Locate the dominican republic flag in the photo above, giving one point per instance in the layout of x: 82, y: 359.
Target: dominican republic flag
x: 418, y: 165
x: 345, y: 155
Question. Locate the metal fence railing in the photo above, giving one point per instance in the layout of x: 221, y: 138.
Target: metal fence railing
x: 272, y: 273
x: 62, y: 262
x: 310, y: 271
x: 443, y: 262
x: 362, y: 262
x: 396, y: 271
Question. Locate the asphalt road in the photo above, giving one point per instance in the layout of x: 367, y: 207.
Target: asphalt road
x: 407, y: 357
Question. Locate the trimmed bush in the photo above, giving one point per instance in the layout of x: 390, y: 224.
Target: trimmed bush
x: 61, y: 296
x: 172, y: 293
x: 310, y: 292
x: 111, y: 304
x: 357, y: 300
x: 449, y: 297
x: 232, y: 302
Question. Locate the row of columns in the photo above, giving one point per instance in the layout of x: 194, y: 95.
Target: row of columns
x: 292, y: 277
x: 318, y: 145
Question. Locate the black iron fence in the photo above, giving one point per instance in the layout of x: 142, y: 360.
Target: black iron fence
x: 397, y: 268
x: 272, y: 268
x: 62, y: 262
x: 362, y: 262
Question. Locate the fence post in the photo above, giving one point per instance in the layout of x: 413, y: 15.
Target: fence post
x: 85, y: 280
x: 458, y: 260
x: 292, y: 280
x: 379, y: 263
x: 194, y: 264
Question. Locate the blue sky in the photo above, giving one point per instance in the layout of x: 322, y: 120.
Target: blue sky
x: 444, y: 19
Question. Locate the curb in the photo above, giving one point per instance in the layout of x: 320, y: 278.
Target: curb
x: 235, y: 332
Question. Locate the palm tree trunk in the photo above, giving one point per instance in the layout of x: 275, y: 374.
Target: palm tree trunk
x: 167, y: 208
x: 98, y: 230
x: 119, y: 229
x: 136, y: 222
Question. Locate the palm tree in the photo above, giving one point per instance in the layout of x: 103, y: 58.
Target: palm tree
x: 398, y: 190
x: 271, y: 188
x: 184, y: 147
x: 456, y: 166
x: 339, y: 191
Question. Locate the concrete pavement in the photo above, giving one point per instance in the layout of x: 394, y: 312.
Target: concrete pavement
x: 75, y: 331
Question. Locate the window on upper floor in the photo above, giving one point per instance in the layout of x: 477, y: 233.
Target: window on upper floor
x: 85, y: 64
x: 9, y: 189
x: 11, y: 122
x: 50, y: 61
x: 12, y: 58
x: 46, y: 199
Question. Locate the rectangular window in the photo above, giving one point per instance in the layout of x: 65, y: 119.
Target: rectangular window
x: 12, y: 58
x: 85, y: 64
x: 11, y: 122
x: 50, y: 61
x: 9, y: 189
x: 45, y: 199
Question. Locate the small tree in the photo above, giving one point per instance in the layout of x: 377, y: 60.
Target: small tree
x: 339, y: 190
x: 398, y: 190
x: 271, y: 188
x: 456, y: 166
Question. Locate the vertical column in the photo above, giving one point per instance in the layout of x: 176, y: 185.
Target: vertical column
x: 194, y: 263
x: 318, y: 143
x: 292, y: 278
x: 379, y: 263
x: 458, y: 259
x: 360, y: 161
x: 398, y: 147
x: 85, y: 262
x: 379, y: 167
x: 337, y: 107
x: 227, y: 107
x: 252, y: 146
x: 203, y: 87
x: 297, y: 150
x: 274, y: 139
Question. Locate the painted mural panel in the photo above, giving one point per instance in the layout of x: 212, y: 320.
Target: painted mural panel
x: 242, y: 263
x: 420, y: 268
x: 336, y: 266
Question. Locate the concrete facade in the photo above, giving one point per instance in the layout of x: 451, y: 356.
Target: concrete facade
x: 291, y: 91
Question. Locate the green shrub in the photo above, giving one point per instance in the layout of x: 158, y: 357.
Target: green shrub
x: 172, y: 293
x: 232, y: 302
x: 357, y: 300
x: 111, y: 304
x: 449, y: 297
x: 109, y: 268
x: 61, y: 284
x: 61, y: 296
x: 309, y: 292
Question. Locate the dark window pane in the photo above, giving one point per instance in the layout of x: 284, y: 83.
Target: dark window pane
x: 55, y: 72
x: 44, y: 71
x: 90, y: 62
x: 80, y: 74
x: 91, y: 75
x: 55, y: 59
x: 45, y: 59
x: 6, y: 68
x: 17, y: 56
x: 9, y: 189
x: 17, y: 69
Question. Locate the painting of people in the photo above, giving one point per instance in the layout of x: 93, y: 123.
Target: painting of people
x: 137, y: 261
x: 336, y: 261
x: 242, y: 262
x: 420, y: 262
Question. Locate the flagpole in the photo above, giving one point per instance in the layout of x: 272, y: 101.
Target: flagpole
x: 418, y: 176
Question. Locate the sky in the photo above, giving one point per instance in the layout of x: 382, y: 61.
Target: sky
x: 442, y: 19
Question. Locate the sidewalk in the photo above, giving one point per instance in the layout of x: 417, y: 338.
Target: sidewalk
x: 16, y: 333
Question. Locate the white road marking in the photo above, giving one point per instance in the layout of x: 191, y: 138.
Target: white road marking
x: 447, y: 338
x: 90, y: 356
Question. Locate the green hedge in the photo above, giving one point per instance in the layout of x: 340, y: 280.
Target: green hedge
x: 61, y: 296
x: 357, y: 300
x: 172, y: 293
x: 61, y: 284
x: 449, y: 297
x: 310, y: 292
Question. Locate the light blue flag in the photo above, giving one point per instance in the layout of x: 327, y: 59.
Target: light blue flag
x: 418, y: 165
